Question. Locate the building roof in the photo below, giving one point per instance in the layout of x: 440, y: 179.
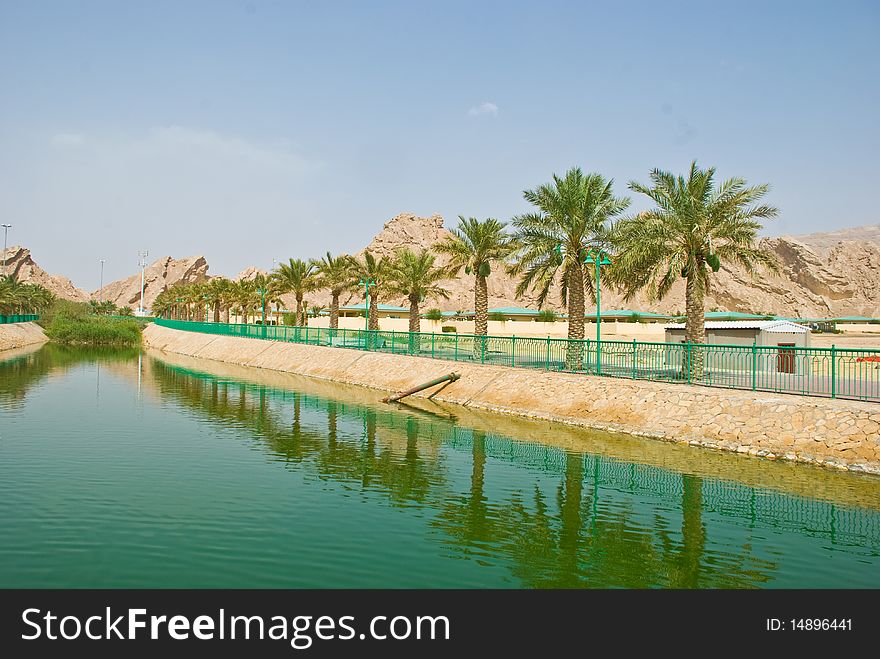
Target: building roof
x: 853, y: 319
x: 380, y: 307
x: 628, y: 313
x: 515, y: 311
x: 772, y: 326
x: 734, y: 315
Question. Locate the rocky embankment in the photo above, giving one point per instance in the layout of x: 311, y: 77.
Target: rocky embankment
x: 837, y: 433
x: 19, y: 335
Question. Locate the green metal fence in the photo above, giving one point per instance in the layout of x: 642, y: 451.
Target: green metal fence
x: 830, y: 372
x: 18, y: 318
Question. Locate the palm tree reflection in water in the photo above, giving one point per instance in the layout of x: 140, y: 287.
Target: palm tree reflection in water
x: 591, y: 529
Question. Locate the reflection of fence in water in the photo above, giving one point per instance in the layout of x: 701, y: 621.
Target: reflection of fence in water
x: 757, y: 507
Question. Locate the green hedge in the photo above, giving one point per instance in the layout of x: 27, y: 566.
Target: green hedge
x: 94, y: 330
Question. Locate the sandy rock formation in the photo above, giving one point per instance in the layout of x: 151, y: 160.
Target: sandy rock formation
x: 820, y: 275
x: 159, y: 275
x: 249, y: 273
x: 20, y: 263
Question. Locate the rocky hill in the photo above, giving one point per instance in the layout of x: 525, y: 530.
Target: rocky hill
x: 20, y: 263
x: 162, y: 273
x: 821, y: 275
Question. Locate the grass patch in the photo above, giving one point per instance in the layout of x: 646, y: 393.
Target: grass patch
x: 71, y: 323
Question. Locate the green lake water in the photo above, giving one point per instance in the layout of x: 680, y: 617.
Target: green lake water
x: 119, y: 469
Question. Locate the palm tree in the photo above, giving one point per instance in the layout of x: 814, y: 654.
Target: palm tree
x: 573, y: 217
x: 245, y: 298
x: 267, y: 289
x: 376, y: 271
x: 297, y: 277
x: 17, y: 297
x: 163, y: 305
x: 474, y: 246
x: 338, y: 274
x: 694, y: 227
x: 215, y: 293
x: 415, y: 276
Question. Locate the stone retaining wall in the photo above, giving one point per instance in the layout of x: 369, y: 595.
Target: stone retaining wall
x: 18, y: 335
x: 836, y: 433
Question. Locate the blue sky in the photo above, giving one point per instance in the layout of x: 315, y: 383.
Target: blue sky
x: 251, y: 130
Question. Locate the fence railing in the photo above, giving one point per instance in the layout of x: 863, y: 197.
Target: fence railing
x: 18, y: 318
x: 831, y: 372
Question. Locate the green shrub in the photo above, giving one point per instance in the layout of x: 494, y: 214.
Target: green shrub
x: 70, y: 323
x: 497, y: 316
x: 448, y: 328
x: 433, y: 314
x: 547, y: 316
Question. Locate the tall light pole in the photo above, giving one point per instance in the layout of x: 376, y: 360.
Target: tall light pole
x: 6, y: 228
x: 366, y: 284
x: 143, y: 254
x: 101, y: 289
x: 598, y: 257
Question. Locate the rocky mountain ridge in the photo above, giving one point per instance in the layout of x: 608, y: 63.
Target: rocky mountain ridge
x: 820, y: 275
x: 21, y: 264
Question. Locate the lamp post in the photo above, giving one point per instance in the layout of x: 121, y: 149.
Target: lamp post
x: 101, y: 289
x: 6, y: 228
x: 598, y: 257
x: 143, y: 263
x: 366, y: 283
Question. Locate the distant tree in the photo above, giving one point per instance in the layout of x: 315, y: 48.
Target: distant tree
x: 297, y: 277
x: 573, y: 216
x: 338, y: 274
x: 375, y: 270
x: 414, y: 276
x: 694, y: 227
x: 474, y: 246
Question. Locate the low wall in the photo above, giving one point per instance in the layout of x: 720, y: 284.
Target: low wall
x: 836, y: 433
x: 18, y: 335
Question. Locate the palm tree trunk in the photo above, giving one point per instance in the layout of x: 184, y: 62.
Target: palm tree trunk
x: 300, y: 316
x: 373, y: 320
x: 574, y: 353
x: 334, y: 310
x: 414, y: 326
x: 226, y: 315
x: 693, y: 532
x: 695, y: 328
x: 216, y: 313
x: 481, y: 316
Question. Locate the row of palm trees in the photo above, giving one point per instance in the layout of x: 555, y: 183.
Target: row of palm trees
x: 21, y: 298
x: 695, y: 225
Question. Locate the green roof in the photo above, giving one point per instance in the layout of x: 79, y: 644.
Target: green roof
x: 627, y: 313
x: 380, y: 307
x: 733, y: 315
x: 515, y: 311
x: 853, y: 319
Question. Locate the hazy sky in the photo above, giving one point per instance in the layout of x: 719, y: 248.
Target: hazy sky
x: 250, y: 130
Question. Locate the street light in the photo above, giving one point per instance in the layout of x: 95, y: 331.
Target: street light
x: 143, y: 263
x: 101, y: 289
x: 598, y: 257
x: 6, y: 228
x: 366, y: 283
